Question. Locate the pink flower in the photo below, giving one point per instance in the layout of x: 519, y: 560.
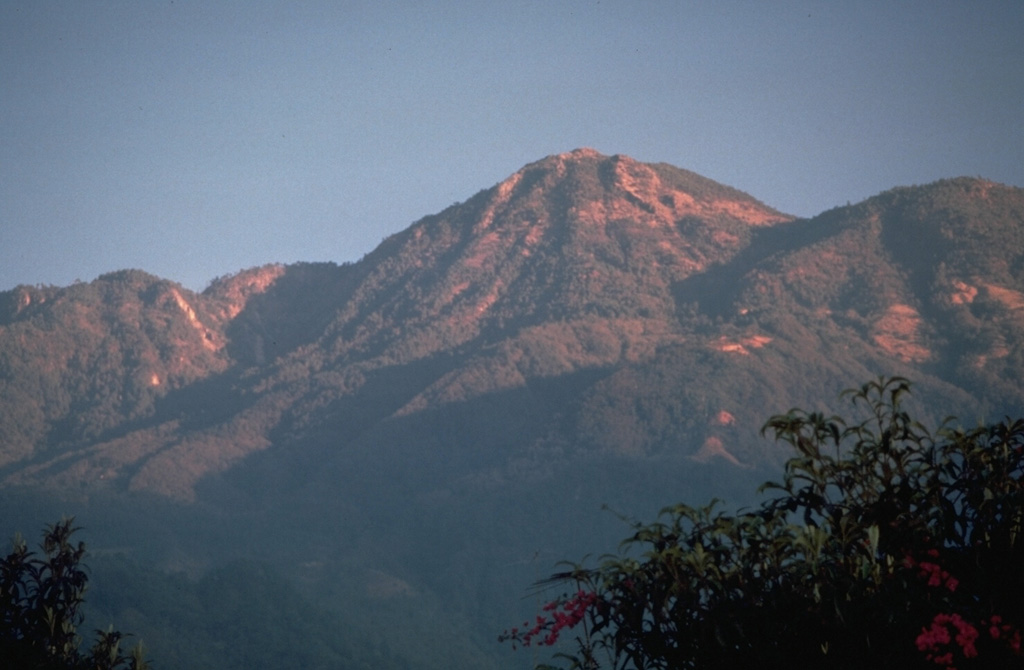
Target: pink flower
x: 936, y: 575
x: 937, y: 636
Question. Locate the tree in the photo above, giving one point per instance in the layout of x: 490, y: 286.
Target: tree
x: 884, y: 546
x: 40, y: 599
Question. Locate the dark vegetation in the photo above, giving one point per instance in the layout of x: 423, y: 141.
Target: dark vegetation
x: 239, y: 616
x: 41, y: 600
x: 884, y: 546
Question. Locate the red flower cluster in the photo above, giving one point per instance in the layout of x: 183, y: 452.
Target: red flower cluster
x: 565, y: 613
x: 933, y: 571
x: 938, y: 636
x: 998, y: 630
x: 935, y: 641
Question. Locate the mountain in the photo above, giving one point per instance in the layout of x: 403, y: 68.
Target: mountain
x: 430, y: 428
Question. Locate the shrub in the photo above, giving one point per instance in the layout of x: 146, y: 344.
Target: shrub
x: 884, y: 546
x: 40, y: 599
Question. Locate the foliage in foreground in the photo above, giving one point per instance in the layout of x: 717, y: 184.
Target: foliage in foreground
x: 40, y: 601
x: 885, y: 546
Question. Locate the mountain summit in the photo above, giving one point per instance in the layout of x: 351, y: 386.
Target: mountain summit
x: 568, y: 236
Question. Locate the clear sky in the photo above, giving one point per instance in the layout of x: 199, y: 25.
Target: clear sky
x: 193, y: 139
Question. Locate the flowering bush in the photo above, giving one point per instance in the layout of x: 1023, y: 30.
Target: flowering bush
x: 562, y: 613
x: 885, y: 546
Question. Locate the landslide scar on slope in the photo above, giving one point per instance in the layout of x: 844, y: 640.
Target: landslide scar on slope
x: 898, y: 333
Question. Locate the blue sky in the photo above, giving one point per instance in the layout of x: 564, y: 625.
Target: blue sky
x: 195, y: 139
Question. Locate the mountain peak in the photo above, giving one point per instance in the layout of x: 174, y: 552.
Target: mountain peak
x: 599, y: 187
x: 581, y: 152
x: 573, y: 238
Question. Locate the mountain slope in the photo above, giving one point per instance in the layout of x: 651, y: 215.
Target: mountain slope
x: 579, y: 264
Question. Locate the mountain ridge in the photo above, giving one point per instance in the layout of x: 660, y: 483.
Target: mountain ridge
x: 576, y: 262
